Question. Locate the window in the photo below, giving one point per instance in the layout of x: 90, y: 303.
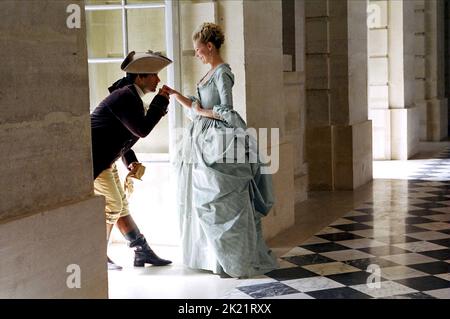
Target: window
x: 115, y: 27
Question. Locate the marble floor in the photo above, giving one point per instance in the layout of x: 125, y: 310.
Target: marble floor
x: 388, y: 239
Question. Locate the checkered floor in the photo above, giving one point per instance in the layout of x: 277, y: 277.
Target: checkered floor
x: 396, y: 246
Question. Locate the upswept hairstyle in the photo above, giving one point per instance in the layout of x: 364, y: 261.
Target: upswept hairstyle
x: 209, y: 32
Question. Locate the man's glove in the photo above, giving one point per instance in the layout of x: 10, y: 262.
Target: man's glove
x: 128, y: 186
x: 137, y: 170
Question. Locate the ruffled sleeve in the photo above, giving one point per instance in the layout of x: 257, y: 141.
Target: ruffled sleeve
x: 224, y: 81
x: 189, y: 112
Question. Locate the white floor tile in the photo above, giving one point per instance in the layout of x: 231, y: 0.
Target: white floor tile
x: 312, y: 284
x: 409, y: 259
x: 419, y: 246
x: 439, y: 293
x: 388, y: 288
x: 400, y: 272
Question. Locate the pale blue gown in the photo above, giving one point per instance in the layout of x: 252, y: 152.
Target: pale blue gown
x: 221, y: 203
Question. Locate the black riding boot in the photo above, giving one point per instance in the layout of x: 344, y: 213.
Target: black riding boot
x: 143, y: 254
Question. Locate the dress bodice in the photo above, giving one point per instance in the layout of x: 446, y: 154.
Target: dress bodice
x: 217, y: 90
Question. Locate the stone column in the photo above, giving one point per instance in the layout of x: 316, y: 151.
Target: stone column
x: 420, y: 65
x: 52, y: 228
x: 254, y: 51
x: 394, y: 78
x: 447, y: 50
x: 378, y: 79
x: 294, y: 90
x: 338, y: 133
x: 436, y: 114
x: 402, y: 80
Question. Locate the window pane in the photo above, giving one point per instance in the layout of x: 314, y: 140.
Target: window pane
x: 146, y: 30
x: 101, y: 76
x: 103, y: 2
x: 145, y: 1
x: 158, y: 139
x: 104, y: 34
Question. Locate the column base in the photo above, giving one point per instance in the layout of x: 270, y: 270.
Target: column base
x: 37, y: 252
x: 396, y: 132
x: 282, y: 215
x: 352, y: 155
x: 435, y: 120
x: 405, y: 132
x: 339, y: 157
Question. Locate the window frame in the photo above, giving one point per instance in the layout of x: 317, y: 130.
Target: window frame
x: 172, y: 32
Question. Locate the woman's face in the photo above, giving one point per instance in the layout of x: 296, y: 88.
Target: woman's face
x: 202, y: 51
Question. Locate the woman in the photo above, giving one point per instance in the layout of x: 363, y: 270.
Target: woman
x: 220, y: 227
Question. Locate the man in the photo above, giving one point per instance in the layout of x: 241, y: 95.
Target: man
x: 117, y: 124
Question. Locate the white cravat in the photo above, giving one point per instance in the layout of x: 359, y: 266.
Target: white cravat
x: 141, y: 95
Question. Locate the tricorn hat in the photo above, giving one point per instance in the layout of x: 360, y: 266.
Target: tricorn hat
x: 144, y: 62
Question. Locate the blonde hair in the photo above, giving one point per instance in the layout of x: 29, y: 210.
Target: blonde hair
x: 209, y: 32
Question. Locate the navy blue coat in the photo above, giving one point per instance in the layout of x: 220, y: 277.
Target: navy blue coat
x: 118, y: 122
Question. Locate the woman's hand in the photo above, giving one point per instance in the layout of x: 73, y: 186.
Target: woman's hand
x: 186, y: 102
x: 163, y: 93
x: 169, y: 90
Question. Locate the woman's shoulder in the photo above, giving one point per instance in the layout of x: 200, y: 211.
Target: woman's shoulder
x: 224, y: 70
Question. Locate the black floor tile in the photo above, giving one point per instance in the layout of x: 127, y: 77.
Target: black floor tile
x: 325, y: 247
x: 290, y: 273
x: 418, y: 176
x: 366, y: 210
x: 439, y: 193
x: 424, y: 283
x: 438, y: 198
x: 352, y: 278
x: 339, y: 236
x: 384, y: 250
x: 443, y: 254
x: 433, y: 268
x: 352, y: 227
x: 414, y: 295
x: 417, y: 220
x: 338, y: 293
x: 430, y: 205
x: 310, y: 259
x: 443, y: 242
x: 364, y: 263
x: 361, y: 219
x: 412, y: 229
x: 268, y: 290
x: 423, y: 212
x: 400, y: 239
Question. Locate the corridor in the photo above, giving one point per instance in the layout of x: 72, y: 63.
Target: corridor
x: 349, y: 98
x: 399, y: 227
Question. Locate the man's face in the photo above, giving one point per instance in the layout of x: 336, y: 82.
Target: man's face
x: 149, y: 83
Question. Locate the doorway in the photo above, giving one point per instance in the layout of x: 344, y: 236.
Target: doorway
x: 116, y: 27
x: 447, y: 55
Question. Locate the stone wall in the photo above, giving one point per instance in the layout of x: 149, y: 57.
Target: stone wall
x: 447, y: 57
x: 396, y: 82
x: 437, y: 104
x: 254, y: 51
x: 337, y: 136
x: 49, y: 217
